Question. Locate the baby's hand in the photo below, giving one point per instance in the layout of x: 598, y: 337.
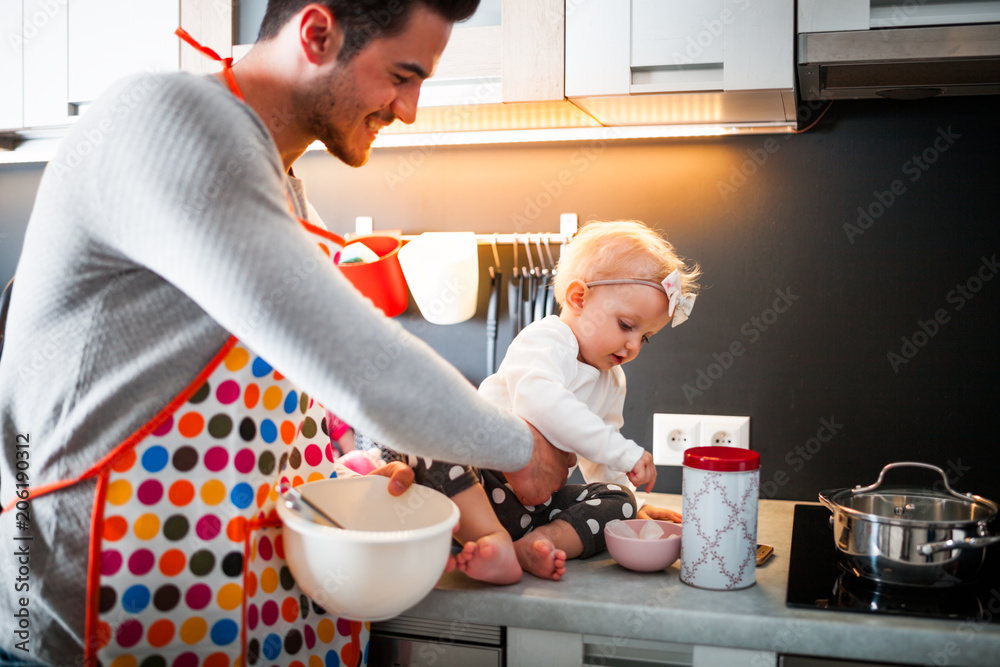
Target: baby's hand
x: 644, y: 472
x: 648, y: 511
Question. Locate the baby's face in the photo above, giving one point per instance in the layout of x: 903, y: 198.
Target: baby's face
x: 615, y: 322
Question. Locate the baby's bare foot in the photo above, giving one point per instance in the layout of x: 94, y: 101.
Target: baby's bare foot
x: 491, y: 559
x: 539, y: 556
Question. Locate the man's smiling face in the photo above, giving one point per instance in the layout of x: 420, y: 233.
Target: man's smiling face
x: 379, y: 84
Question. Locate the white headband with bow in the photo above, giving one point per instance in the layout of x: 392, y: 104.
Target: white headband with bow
x: 680, y: 304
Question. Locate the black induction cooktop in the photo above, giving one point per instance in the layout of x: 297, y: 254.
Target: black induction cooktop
x: 816, y: 580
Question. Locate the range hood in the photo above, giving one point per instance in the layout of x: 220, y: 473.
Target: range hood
x: 900, y: 63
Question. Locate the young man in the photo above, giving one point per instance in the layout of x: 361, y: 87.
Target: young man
x: 171, y: 264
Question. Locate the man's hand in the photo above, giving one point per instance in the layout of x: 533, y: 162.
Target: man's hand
x: 545, y: 474
x: 400, y: 476
x: 400, y: 479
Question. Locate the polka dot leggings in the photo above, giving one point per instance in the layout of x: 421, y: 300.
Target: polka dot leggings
x: 585, y: 507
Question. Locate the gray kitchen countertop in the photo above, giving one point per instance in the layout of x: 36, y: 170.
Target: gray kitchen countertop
x: 599, y: 597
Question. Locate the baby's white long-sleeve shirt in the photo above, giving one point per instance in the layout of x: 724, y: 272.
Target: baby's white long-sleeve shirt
x: 577, y: 407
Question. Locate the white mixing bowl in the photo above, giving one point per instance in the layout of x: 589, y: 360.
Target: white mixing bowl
x: 392, y: 554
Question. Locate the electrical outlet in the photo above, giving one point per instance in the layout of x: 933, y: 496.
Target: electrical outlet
x: 720, y: 431
x: 672, y: 434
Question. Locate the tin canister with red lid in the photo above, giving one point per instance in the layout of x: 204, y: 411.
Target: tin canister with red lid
x: 720, y: 489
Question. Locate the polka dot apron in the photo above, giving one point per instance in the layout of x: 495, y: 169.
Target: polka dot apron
x: 187, y: 557
x: 186, y: 560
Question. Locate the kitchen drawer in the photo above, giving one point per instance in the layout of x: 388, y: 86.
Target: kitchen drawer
x: 394, y: 651
x: 807, y: 661
x: 409, y: 641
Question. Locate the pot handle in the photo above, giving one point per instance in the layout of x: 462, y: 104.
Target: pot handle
x: 967, y: 543
x: 913, y: 464
x: 829, y: 503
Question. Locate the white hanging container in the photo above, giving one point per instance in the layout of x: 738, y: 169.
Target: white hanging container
x: 442, y: 272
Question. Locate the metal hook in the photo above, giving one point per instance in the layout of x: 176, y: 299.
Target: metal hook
x: 527, y: 251
x: 496, y: 253
x: 548, y: 251
x: 516, y: 269
x: 541, y: 260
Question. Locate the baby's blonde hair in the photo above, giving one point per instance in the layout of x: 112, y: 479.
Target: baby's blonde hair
x: 620, y: 249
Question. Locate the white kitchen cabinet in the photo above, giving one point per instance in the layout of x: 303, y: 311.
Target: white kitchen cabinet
x: 677, y: 45
x: 516, y: 57
x: 72, y: 50
x: 45, y: 73
x: 713, y: 61
x: 508, y: 51
x: 826, y: 16
x: 504, y: 73
x: 621, y: 47
x: 12, y: 65
x: 109, y: 39
x: 503, y: 69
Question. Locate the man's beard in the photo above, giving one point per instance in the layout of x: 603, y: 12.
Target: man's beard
x: 319, y: 102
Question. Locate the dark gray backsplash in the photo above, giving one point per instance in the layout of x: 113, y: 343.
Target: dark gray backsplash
x: 850, y: 307
x: 18, y: 184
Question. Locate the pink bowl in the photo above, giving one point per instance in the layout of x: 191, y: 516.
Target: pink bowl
x: 645, y: 555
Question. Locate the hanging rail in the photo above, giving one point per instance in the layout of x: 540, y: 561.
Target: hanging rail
x: 568, y: 226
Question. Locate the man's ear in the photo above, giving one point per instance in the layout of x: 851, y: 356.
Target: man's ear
x: 319, y: 34
x: 576, y: 294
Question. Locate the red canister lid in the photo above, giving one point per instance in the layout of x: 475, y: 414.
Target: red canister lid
x: 722, y: 459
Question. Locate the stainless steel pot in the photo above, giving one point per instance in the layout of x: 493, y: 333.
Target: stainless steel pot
x: 911, y: 536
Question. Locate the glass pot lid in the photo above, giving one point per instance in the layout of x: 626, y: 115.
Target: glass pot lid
x: 937, y: 503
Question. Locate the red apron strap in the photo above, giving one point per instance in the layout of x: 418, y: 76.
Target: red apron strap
x: 319, y: 231
x: 227, y: 71
x: 93, y: 638
x: 269, y: 521
x: 227, y: 63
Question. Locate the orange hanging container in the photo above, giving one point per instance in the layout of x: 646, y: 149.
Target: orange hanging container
x: 381, y: 281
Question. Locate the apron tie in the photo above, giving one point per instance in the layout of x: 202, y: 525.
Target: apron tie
x: 227, y: 63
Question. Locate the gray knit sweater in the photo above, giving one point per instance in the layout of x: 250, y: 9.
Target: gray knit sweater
x: 161, y: 227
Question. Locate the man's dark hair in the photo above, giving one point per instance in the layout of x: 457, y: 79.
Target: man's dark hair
x: 363, y: 20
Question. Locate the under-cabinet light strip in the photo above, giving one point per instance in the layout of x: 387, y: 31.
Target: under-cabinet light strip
x: 499, y: 239
x: 569, y: 224
x: 567, y: 134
